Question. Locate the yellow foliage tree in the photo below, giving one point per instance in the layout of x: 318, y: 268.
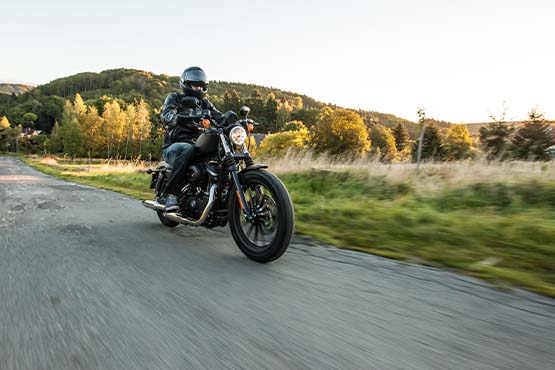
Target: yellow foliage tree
x: 278, y: 144
x: 340, y: 132
x: 457, y: 143
x: 4, y: 123
x: 114, y: 121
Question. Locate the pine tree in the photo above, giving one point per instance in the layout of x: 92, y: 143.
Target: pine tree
x: 432, y: 148
x: 494, y: 138
x: 534, y: 139
x: 401, y: 135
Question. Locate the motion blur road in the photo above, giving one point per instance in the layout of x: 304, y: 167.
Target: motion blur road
x: 89, y: 279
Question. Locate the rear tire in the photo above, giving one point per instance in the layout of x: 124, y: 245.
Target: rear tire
x: 268, y: 198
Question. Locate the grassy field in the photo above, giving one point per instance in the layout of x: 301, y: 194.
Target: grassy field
x: 494, y: 221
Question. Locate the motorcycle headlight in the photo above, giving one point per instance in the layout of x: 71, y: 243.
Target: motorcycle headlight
x: 238, y: 135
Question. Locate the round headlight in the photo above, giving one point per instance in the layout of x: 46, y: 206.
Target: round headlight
x: 238, y: 135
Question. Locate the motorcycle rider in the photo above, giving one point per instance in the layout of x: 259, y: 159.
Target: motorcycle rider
x: 180, y: 133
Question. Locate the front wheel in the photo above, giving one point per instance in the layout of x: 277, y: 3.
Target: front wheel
x: 268, y: 236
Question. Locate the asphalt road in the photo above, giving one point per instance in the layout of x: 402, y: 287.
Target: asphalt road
x: 89, y: 279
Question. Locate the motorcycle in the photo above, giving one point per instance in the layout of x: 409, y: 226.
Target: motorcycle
x: 224, y: 185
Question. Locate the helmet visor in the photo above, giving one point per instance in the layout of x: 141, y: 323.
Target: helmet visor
x: 196, y: 75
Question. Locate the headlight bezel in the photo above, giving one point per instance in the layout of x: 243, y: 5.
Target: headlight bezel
x: 238, y: 140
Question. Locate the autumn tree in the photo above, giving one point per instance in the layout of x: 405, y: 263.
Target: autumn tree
x: 340, y: 132
x: 458, y: 143
x: 278, y: 144
x: 383, y: 143
x: 113, y: 127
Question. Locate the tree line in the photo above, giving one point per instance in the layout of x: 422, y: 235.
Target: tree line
x: 343, y: 133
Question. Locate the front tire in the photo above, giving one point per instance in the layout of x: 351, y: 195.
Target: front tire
x: 268, y: 236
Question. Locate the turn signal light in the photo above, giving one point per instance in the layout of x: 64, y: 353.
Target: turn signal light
x: 250, y: 127
x: 205, y: 123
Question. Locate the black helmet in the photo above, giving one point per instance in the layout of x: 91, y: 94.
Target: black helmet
x: 194, y: 76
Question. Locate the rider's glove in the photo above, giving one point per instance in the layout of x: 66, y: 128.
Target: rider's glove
x: 171, y: 118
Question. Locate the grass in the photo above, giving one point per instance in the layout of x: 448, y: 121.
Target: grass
x: 493, y: 221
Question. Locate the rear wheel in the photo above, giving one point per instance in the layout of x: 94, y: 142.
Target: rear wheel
x: 267, y: 236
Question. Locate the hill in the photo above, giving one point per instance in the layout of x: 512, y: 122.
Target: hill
x: 270, y: 106
x: 13, y: 88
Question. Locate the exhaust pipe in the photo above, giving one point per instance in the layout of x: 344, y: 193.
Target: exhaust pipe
x: 188, y: 221
x: 152, y: 204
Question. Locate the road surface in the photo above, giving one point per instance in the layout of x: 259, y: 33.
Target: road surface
x: 89, y: 279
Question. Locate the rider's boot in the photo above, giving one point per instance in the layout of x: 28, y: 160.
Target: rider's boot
x: 171, y: 204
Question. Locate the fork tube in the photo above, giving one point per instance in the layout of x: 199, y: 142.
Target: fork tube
x: 233, y: 171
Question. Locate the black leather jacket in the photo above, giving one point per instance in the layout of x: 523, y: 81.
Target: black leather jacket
x: 180, y: 130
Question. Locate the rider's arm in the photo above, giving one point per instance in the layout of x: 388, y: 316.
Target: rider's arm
x: 169, y: 110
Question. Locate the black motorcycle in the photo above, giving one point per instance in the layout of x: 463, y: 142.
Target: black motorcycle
x: 223, y: 184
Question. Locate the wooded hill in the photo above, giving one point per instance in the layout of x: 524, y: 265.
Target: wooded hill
x: 270, y: 106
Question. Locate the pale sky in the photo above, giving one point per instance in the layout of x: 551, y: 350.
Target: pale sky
x: 459, y: 59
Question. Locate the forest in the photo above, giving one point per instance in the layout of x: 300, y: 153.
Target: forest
x: 115, y: 114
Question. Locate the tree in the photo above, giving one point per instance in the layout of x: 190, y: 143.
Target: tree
x: 91, y: 125
x: 270, y: 109
x: 54, y: 144
x: 458, y: 143
x: 29, y: 119
x: 71, y: 135
x: 422, y: 122
x: 430, y: 146
x: 112, y: 128
x: 401, y: 135
x: 534, y: 139
x: 278, y: 144
x: 4, y: 123
x: 340, y: 132
x: 383, y: 143
x: 494, y: 138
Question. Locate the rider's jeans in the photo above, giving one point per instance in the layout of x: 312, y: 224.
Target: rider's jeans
x: 177, y: 155
x: 172, y: 152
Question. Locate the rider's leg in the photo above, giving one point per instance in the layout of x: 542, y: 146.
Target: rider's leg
x: 177, y: 155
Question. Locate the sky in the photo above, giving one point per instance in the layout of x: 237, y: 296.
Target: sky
x: 461, y: 61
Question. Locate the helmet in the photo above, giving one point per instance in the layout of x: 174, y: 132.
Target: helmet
x: 194, y: 76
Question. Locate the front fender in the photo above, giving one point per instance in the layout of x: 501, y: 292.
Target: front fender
x: 254, y: 167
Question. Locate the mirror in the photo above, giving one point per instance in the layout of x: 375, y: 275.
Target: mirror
x: 244, y: 110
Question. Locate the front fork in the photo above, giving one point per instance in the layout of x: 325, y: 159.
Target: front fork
x: 232, y: 167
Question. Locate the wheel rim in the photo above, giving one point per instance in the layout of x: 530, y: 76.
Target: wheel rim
x: 262, y: 231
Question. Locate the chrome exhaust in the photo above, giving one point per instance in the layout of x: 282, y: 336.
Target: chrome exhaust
x: 187, y: 221
x: 152, y: 204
